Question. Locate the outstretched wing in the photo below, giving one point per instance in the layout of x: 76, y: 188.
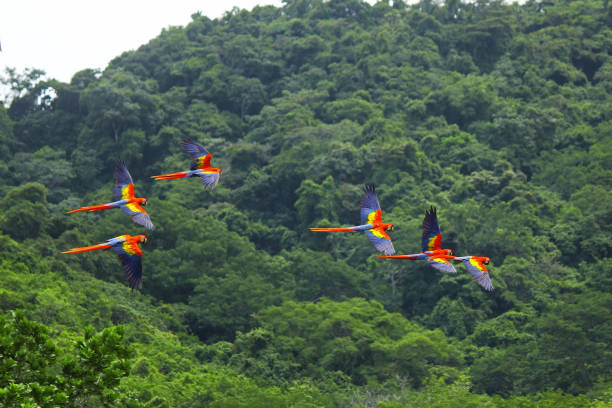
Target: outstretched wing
x: 479, y: 272
x: 200, y: 157
x: 210, y: 179
x: 431, y: 231
x: 124, y: 186
x: 370, y: 207
x: 138, y: 214
x: 130, y: 256
x: 441, y: 264
x: 381, y: 241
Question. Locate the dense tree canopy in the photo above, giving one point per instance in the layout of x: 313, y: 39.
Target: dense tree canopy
x: 498, y: 114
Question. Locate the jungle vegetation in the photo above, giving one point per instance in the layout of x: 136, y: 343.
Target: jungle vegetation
x: 498, y: 114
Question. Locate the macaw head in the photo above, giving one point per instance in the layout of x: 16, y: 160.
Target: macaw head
x: 142, y: 238
x: 144, y: 201
x: 484, y: 259
x: 449, y: 252
x: 388, y: 227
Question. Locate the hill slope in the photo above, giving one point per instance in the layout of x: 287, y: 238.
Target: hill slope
x: 499, y: 115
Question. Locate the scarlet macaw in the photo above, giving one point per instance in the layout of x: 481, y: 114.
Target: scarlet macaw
x: 371, y: 220
x: 476, y: 266
x: 200, y: 165
x: 431, y: 241
x: 126, y: 247
x: 123, y: 194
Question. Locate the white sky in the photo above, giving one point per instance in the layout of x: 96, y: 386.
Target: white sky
x: 63, y: 37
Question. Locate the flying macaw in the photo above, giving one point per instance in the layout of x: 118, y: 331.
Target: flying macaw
x: 200, y: 165
x: 431, y: 241
x: 476, y: 266
x: 371, y: 220
x: 126, y: 247
x: 123, y: 194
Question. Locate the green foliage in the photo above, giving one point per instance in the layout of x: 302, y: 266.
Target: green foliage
x: 498, y: 114
x: 356, y: 338
x: 37, y: 372
x: 24, y: 213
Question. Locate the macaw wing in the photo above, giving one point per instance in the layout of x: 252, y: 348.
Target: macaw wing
x: 432, y: 237
x: 130, y: 256
x: 132, y: 265
x: 441, y: 264
x: 200, y: 157
x: 479, y: 272
x: 210, y: 179
x: 370, y: 207
x: 138, y: 214
x: 381, y: 241
x: 124, y: 185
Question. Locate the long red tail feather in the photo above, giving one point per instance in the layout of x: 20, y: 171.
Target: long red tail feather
x: 170, y: 176
x: 398, y: 256
x: 341, y: 229
x: 92, y: 208
x: 87, y: 248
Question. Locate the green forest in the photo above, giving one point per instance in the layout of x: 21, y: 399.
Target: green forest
x: 497, y: 114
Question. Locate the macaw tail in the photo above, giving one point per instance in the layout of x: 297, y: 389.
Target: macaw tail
x: 92, y: 208
x: 87, y: 248
x: 399, y: 256
x: 342, y: 229
x: 170, y: 176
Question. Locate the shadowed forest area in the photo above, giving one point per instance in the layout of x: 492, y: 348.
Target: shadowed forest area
x: 499, y: 115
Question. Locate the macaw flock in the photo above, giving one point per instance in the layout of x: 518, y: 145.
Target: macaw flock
x: 130, y: 254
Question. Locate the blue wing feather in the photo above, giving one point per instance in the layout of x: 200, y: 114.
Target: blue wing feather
x: 382, y: 244
x: 122, y: 178
x: 369, y: 202
x: 442, y: 266
x: 210, y: 180
x: 194, y: 150
x: 482, y: 278
x: 132, y: 265
x: 141, y: 218
x: 430, y: 228
x: 144, y: 220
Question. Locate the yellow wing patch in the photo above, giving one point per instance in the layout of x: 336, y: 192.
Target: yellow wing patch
x: 127, y: 247
x: 478, y: 265
x: 380, y: 233
x: 434, y: 242
x: 135, y: 207
x: 204, y: 161
x: 127, y: 192
x: 374, y: 217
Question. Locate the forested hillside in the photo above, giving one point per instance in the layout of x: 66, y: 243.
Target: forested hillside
x: 499, y: 115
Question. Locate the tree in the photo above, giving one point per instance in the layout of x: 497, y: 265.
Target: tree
x: 24, y: 211
x: 35, y: 371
